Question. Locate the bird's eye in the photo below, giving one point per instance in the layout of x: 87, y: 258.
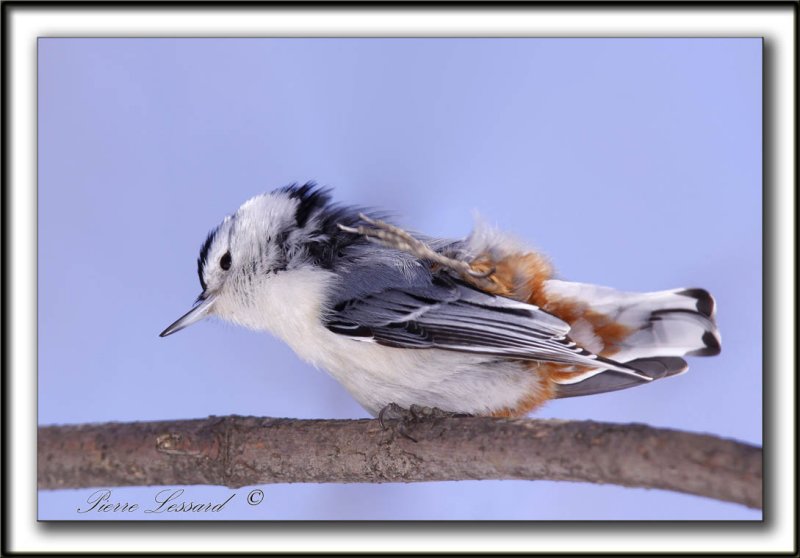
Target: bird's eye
x: 225, y: 261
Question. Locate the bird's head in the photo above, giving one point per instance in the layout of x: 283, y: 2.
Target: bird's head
x: 280, y: 232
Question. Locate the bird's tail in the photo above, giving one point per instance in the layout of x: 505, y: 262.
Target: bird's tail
x: 651, y: 332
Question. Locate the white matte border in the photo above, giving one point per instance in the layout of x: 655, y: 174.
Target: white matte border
x: 27, y: 22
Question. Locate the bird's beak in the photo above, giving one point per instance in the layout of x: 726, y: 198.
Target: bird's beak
x: 200, y: 310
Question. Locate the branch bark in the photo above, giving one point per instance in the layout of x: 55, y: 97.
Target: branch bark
x: 238, y: 451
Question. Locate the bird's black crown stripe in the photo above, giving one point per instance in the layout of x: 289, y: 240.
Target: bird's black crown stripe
x: 311, y: 198
x: 203, y: 258
x: 328, y: 242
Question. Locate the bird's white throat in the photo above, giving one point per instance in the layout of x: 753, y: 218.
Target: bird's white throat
x: 288, y: 304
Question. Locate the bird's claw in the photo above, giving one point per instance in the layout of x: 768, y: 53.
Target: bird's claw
x: 414, y: 414
x: 402, y: 416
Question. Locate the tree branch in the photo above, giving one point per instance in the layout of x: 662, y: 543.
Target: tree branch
x: 237, y: 451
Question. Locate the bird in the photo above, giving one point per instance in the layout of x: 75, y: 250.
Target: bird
x: 478, y: 326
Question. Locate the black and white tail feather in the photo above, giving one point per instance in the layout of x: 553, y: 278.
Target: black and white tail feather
x: 667, y: 326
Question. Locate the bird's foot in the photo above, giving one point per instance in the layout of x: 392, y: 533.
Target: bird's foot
x: 403, y: 418
x: 391, y: 236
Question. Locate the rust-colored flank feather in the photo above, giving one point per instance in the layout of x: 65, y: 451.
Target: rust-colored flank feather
x: 521, y: 276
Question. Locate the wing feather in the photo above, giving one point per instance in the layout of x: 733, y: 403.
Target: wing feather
x: 449, y: 315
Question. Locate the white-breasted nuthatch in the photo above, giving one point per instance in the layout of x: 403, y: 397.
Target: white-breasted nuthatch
x: 476, y: 326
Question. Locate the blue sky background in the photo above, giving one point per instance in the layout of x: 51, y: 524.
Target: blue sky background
x: 634, y: 163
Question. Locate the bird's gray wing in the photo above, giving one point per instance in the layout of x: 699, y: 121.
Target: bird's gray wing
x: 446, y: 314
